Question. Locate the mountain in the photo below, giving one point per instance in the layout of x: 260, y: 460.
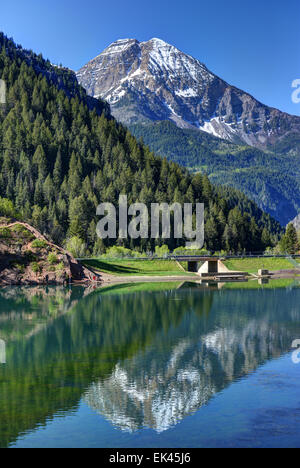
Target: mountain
x: 61, y: 154
x: 296, y: 222
x: 153, y: 80
x: 220, y: 130
x: 271, y: 180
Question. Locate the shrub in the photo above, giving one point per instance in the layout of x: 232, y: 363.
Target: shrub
x: 39, y: 244
x: 36, y: 268
x: 221, y: 253
x: 7, y: 208
x: 52, y: 259
x: 5, y: 233
x: 121, y: 252
x: 185, y: 251
x: 19, y: 229
x: 162, y: 251
x: 76, y: 247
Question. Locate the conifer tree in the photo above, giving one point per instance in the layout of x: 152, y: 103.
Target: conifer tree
x: 61, y: 154
x: 289, y: 242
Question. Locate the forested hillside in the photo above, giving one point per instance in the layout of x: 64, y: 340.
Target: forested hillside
x: 61, y: 154
x: 271, y: 180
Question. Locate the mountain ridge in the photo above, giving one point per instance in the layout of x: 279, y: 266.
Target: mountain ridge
x: 59, y: 159
x: 148, y: 84
x: 269, y: 179
x: 153, y: 80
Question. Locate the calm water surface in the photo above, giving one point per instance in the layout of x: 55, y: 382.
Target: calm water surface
x: 181, y: 365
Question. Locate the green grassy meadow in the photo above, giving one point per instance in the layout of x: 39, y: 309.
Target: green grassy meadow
x: 137, y: 267
x: 252, y: 265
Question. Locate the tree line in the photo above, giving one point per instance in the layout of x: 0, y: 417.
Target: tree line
x: 61, y: 154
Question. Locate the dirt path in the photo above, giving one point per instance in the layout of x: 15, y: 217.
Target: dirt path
x: 148, y: 279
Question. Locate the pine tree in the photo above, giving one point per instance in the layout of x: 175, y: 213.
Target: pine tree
x: 57, y: 172
x: 289, y: 242
x: 61, y: 154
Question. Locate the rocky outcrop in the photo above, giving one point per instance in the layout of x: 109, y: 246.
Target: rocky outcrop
x: 296, y: 222
x: 27, y: 257
x: 150, y: 81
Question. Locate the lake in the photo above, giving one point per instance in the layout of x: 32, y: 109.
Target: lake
x: 150, y: 365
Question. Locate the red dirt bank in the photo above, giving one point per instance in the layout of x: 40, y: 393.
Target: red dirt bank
x: 27, y: 257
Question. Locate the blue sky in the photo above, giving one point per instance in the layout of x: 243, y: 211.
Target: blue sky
x: 251, y: 44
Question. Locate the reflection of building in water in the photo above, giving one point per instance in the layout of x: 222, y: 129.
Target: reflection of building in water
x: 157, y: 390
x: 2, y: 352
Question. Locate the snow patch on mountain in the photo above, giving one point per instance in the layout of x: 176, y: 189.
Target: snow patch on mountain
x: 163, y: 83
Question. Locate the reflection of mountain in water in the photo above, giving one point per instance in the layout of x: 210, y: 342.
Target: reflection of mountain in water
x: 139, y: 359
x: 156, y: 399
x: 158, y: 389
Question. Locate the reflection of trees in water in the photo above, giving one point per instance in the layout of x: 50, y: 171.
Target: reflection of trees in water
x: 25, y: 310
x: 51, y: 369
x: 154, y: 359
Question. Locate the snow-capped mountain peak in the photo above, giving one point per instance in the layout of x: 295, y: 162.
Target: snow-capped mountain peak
x: 153, y: 80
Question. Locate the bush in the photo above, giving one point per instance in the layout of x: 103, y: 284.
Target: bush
x: 36, y: 267
x: 60, y: 266
x: 39, y: 244
x: 21, y: 230
x: 52, y: 259
x: 162, y: 251
x: 5, y: 233
x: 7, y: 208
x: 272, y: 250
x: 221, y: 253
x: 121, y: 252
x: 185, y: 251
x: 76, y: 247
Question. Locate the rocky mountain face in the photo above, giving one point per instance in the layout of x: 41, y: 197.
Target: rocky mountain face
x: 296, y: 222
x: 151, y: 81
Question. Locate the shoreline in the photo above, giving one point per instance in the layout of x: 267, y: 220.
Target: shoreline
x: 194, y: 278
x: 104, y: 279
